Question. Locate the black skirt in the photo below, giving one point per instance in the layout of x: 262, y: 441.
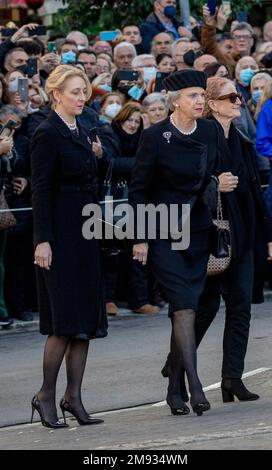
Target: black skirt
x: 181, y: 274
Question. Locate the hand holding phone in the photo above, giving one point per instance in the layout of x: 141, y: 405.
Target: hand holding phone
x: 212, y: 4
x: 32, y: 67
x: 23, y: 88
x: 51, y: 47
x: 226, y: 7
x: 160, y: 76
x: 128, y: 75
x: 108, y: 35
x: 93, y: 134
x: 8, y: 129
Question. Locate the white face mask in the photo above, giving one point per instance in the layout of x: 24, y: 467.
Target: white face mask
x: 80, y: 47
x: 112, y: 110
x: 149, y: 73
x: 31, y: 110
x: 13, y: 85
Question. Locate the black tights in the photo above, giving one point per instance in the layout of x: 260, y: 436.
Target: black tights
x: 75, y: 351
x: 183, y: 356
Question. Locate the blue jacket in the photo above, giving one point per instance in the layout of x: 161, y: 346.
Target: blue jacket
x: 264, y: 130
x: 151, y: 27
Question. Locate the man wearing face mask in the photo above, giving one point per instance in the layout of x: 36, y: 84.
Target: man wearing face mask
x: 244, y: 72
x: 161, y: 20
x: 68, y: 52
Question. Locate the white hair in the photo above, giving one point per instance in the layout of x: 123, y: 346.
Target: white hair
x: 124, y: 44
x: 138, y: 60
x: 79, y: 33
x: 177, y: 42
x: 153, y: 97
x: 260, y: 76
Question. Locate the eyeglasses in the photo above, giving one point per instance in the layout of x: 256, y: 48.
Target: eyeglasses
x: 232, y: 97
x: 242, y: 36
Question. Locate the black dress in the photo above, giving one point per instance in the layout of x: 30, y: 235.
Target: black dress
x: 64, y: 180
x: 172, y: 168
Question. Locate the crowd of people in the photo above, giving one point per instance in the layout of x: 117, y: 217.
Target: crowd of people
x: 122, y: 90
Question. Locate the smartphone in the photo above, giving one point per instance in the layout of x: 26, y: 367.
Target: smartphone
x: 227, y: 7
x: 160, y: 76
x: 32, y: 67
x: 23, y: 88
x: 6, y: 32
x: 93, y: 134
x: 129, y: 75
x: 38, y: 31
x: 8, y: 128
x: 212, y: 4
x: 108, y: 35
x: 51, y: 47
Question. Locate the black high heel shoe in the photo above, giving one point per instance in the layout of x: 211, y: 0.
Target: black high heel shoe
x: 65, y: 406
x: 235, y: 387
x: 36, y: 405
x: 199, y: 408
x: 177, y: 406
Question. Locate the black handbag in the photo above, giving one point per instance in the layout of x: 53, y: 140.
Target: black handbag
x: 220, y: 256
x: 117, y: 190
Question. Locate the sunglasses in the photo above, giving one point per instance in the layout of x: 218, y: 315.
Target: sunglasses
x: 232, y: 97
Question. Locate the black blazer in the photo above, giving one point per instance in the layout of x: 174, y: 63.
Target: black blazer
x: 61, y: 162
x: 171, y: 168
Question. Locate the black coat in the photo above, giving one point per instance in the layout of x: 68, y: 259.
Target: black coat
x: 151, y: 27
x: 64, y: 180
x: 172, y: 170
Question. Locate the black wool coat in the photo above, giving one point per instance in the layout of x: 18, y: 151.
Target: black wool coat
x: 64, y: 180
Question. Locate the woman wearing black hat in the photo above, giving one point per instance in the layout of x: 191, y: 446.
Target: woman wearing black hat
x: 174, y: 164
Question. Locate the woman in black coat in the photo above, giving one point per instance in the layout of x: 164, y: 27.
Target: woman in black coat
x: 174, y: 164
x: 251, y: 230
x: 64, y: 180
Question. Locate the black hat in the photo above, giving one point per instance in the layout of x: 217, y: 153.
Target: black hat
x: 185, y: 79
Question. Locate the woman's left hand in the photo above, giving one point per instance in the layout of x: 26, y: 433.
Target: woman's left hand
x: 269, y: 251
x: 19, y: 184
x: 97, y: 148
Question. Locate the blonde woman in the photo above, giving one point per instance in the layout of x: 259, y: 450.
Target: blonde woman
x: 64, y: 180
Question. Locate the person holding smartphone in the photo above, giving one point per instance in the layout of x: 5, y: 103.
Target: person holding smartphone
x: 12, y: 95
x: 64, y: 179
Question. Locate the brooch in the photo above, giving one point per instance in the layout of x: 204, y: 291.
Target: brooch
x: 167, y: 136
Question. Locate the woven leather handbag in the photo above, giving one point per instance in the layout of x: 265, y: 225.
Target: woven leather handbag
x: 220, y: 258
x: 7, y: 218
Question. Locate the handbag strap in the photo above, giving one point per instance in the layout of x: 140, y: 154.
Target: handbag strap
x: 219, y: 211
x: 108, y: 177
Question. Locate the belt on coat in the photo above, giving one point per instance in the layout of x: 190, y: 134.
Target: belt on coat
x: 71, y: 188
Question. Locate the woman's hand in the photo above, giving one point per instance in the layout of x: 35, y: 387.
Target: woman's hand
x: 227, y: 182
x: 43, y: 255
x: 19, y: 184
x: 6, y: 145
x: 269, y: 251
x: 97, y: 148
x: 140, y: 251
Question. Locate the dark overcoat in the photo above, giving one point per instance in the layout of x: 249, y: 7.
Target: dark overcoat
x: 172, y: 168
x: 64, y: 180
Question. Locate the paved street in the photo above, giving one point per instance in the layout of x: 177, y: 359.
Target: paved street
x: 123, y: 374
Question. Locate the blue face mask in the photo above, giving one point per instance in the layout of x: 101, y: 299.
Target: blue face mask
x: 246, y: 76
x: 68, y: 57
x: 105, y: 87
x: 170, y: 11
x: 135, y: 92
x: 256, y: 95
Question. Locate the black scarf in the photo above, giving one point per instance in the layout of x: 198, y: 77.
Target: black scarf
x: 239, y: 202
x: 128, y: 142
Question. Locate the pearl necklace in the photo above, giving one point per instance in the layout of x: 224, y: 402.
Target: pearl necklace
x: 183, y: 132
x: 72, y: 127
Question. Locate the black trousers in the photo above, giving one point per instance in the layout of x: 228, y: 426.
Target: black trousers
x: 237, y: 321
